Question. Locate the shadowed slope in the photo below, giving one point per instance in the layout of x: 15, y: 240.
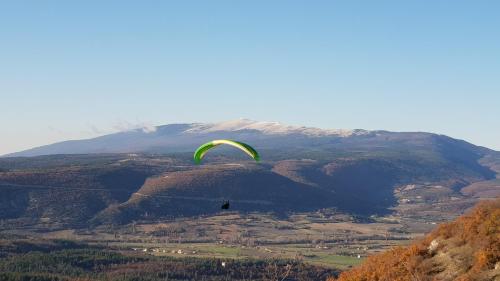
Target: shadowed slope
x: 201, y: 191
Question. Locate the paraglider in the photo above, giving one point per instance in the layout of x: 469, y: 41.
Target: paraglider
x: 203, y: 149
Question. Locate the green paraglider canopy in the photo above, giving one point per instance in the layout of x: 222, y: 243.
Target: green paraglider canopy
x: 203, y: 149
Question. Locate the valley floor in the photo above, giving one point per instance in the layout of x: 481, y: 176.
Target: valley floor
x: 322, y: 238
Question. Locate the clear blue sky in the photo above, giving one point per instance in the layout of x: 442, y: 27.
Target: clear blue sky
x: 77, y: 69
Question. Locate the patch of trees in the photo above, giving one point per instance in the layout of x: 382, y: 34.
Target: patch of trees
x: 97, y: 264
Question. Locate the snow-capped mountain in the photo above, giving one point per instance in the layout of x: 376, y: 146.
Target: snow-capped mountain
x: 270, y: 136
x: 186, y: 137
x: 270, y: 128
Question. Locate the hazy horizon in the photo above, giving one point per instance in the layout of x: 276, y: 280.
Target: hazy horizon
x: 80, y: 70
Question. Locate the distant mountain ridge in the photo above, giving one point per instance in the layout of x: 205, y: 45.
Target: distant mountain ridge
x: 265, y: 135
x: 183, y: 137
x: 149, y: 173
x: 271, y: 128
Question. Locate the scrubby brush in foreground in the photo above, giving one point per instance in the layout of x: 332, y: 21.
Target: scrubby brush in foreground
x: 463, y: 250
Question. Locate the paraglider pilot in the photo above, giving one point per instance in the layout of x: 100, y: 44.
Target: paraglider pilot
x: 225, y: 205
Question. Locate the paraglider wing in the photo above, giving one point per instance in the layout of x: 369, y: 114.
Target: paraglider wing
x: 203, y: 149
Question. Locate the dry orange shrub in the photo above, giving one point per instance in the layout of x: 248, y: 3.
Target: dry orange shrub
x: 479, y: 230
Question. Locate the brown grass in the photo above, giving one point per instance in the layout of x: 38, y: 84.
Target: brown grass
x: 467, y: 249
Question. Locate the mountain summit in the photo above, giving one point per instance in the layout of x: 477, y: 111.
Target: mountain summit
x: 270, y: 136
x: 183, y: 137
x: 270, y: 128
